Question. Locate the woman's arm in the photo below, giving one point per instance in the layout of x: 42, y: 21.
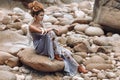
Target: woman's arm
x: 34, y: 29
x: 39, y: 30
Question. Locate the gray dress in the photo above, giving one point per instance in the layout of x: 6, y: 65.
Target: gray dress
x: 46, y: 44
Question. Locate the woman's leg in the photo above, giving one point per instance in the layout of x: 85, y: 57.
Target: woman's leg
x: 67, y: 54
x: 57, y: 50
x: 81, y: 69
x: 56, y: 47
x: 71, y: 65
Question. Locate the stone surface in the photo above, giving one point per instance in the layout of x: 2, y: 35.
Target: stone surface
x: 38, y: 62
x: 99, y: 66
x: 95, y: 59
x: 94, y: 31
x: 106, y: 12
x: 12, y: 42
x: 100, y: 52
x: 81, y: 27
x: 5, y: 68
x: 81, y: 47
x: 101, y: 41
x: 5, y: 75
x: 8, y: 59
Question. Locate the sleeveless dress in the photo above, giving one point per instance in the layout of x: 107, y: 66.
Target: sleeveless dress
x: 46, y: 44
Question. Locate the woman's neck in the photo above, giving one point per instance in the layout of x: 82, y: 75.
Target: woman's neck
x: 37, y: 22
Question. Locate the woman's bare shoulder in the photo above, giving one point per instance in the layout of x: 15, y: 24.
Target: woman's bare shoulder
x: 31, y: 25
x: 31, y: 28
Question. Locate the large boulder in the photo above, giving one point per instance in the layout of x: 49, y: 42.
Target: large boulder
x: 8, y: 59
x: 99, y: 66
x: 97, y: 62
x: 12, y: 42
x: 39, y: 62
x: 5, y: 75
x: 106, y: 12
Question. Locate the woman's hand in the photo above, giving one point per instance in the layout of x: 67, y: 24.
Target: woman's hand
x: 52, y: 29
x: 49, y: 29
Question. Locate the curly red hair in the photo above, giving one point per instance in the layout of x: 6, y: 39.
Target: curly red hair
x: 35, y: 7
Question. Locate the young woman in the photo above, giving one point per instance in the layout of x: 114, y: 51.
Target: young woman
x: 45, y: 43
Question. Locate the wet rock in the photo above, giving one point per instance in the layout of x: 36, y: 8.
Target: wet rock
x: 57, y: 14
x: 5, y: 75
x: 24, y: 28
x: 118, y: 72
x: 95, y: 59
x: 16, y: 25
x: 2, y: 15
x: 12, y: 42
x: 66, y: 78
x: 15, y: 68
x: 93, y: 78
x: 101, y: 41
x: 94, y: 31
x: 106, y: 13
x: 62, y: 40
x: 52, y: 77
x: 95, y: 71
x: 82, y: 21
x: 64, y: 21
x: 105, y: 49
x: 77, y: 78
x: 6, y: 20
x: 74, y: 39
x: 101, y: 75
x: 8, y: 59
x: 20, y: 32
x: 50, y: 19
x: 117, y: 54
x: 85, y: 77
x: 5, y: 68
x: 78, y: 58
x: 85, y: 5
x: 103, y: 55
x: 81, y: 27
x: 61, y: 30
x: 18, y: 10
x: 99, y: 66
x: 110, y: 75
x: 68, y: 16
x: 2, y: 27
x: 81, y: 47
x: 82, y: 54
x: 20, y: 77
x: 73, y: 6
x: 24, y: 70
x: 79, y: 14
x: 39, y: 62
x: 116, y: 36
x: 28, y: 77
x: 14, y: 17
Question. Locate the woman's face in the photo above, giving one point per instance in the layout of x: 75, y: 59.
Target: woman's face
x: 40, y: 16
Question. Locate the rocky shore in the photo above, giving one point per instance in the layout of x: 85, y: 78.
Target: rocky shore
x: 97, y: 50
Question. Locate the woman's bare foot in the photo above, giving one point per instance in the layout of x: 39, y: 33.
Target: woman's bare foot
x: 57, y: 57
x: 81, y: 69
